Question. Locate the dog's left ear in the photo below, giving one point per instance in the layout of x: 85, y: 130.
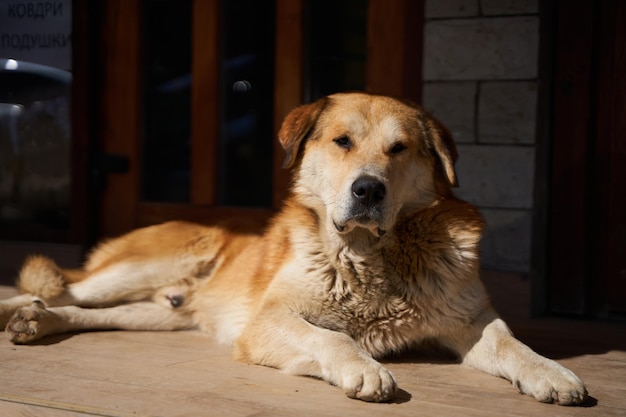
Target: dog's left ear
x: 297, y: 126
x: 442, y: 144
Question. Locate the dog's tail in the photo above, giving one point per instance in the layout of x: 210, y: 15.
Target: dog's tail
x: 42, y: 277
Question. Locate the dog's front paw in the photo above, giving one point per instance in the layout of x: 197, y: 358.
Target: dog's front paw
x: 550, y: 382
x: 25, y: 325
x: 368, y: 382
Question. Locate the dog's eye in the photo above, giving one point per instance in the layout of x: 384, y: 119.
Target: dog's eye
x: 343, y: 142
x: 397, y: 148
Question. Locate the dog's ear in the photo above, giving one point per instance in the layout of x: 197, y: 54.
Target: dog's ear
x: 442, y: 144
x: 297, y: 126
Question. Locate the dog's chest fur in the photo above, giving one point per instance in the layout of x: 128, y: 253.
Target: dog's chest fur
x: 402, y: 290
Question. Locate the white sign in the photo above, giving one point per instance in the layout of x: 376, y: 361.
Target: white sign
x: 37, y: 31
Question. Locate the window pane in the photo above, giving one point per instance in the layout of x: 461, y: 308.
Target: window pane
x: 35, y: 129
x: 167, y: 87
x: 246, y: 104
x: 337, y: 46
x: 245, y: 164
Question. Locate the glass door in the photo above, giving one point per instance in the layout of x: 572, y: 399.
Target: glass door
x: 191, y: 94
x: 35, y: 122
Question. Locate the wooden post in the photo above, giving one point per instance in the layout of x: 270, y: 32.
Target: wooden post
x: 205, y: 101
x: 394, y: 48
x: 288, y: 81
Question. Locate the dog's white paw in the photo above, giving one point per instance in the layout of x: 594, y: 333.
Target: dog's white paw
x: 550, y: 382
x: 368, y: 382
x: 26, y: 324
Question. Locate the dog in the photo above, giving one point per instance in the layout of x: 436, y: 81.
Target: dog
x: 371, y: 254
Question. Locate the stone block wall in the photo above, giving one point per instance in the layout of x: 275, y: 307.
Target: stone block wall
x: 480, y: 79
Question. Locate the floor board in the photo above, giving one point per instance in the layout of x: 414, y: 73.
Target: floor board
x: 187, y: 374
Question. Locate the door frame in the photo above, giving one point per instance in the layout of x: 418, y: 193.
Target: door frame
x: 579, y: 231
x: 394, y: 43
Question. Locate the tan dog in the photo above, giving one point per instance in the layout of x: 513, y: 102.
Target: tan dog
x: 371, y: 254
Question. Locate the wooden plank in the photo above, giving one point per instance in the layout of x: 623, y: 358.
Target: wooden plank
x: 186, y: 373
x: 82, y: 120
x: 540, y: 259
x: 607, y: 221
x: 394, y: 48
x: 616, y: 218
x: 121, y: 112
x: 568, y: 211
x: 588, y: 207
x: 16, y: 406
x: 126, y: 373
x: 288, y: 82
x: 205, y: 99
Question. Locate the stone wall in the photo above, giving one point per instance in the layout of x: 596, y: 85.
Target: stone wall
x: 480, y: 80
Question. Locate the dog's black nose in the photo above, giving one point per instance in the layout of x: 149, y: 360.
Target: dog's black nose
x: 368, y: 191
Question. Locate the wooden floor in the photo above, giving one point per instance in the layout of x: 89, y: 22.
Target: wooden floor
x: 186, y: 374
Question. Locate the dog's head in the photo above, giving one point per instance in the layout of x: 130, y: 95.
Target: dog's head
x: 360, y: 159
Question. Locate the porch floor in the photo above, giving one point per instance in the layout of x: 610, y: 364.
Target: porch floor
x: 187, y: 374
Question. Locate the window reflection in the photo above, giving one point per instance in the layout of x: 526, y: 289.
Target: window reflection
x: 337, y: 46
x: 167, y: 95
x: 34, y: 144
x: 245, y: 163
x: 244, y: 145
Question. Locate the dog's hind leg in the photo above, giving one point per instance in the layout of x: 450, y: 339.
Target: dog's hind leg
x: 36, y: 321
x: 127, y: 281
x: 131, y: 278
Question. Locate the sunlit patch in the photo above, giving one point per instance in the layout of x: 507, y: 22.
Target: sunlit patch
x: 392, y: 129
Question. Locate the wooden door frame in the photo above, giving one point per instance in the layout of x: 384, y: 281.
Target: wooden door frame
x: 120, y: 112
x: 86, y: 80
x: 394, y: 44
x: 288, y: 81
x: 580, y: 219
x: 394, y: 61
x: 205, y: 96
x: 395, y: 31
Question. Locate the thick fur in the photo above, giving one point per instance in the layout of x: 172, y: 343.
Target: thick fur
x: 371, y: 254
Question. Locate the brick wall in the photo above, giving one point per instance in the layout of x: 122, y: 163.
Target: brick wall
x: 480, y: 79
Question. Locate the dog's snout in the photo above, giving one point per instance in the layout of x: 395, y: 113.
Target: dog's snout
x: 368, y: 191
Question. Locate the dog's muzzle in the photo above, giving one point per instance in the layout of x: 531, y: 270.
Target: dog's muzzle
x: 366, y: 205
